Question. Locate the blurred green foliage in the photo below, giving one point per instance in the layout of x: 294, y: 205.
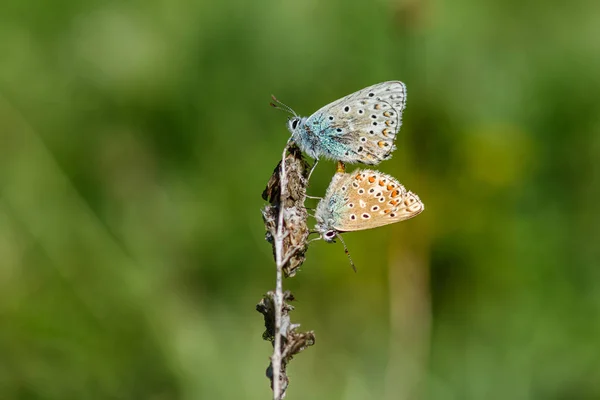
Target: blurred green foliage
x: 136, y: 139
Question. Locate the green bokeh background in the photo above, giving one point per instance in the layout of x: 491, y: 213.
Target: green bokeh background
x: 136, y: 139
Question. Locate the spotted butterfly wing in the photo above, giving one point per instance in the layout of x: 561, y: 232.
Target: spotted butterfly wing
x: 365, y: 199
x: 362, y: 126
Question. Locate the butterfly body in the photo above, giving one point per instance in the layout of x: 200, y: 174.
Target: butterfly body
x: 364, y: 199
x: 358, y: 128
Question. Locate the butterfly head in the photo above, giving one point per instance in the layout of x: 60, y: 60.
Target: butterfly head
x: 329, y: 235
x: 325, y: 230
x: 295, y: 123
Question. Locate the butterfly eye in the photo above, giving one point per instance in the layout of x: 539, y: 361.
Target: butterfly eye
x: 330, y: 234
x: 295, y: 123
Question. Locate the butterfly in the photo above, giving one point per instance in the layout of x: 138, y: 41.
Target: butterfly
x: 358, y: 128
x: 363, y: 199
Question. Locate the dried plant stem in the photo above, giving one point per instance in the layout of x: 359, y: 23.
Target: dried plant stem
x: 276, y: 357
x: 285, y: 222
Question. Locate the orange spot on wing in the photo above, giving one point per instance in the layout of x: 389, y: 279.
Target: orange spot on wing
x: 371, y: 179
x: 388, y: 123
x: 377, y: 106
x: 358, y: 177
x: 395, y: 193
x: 381, y: 183
x: 387, y: 114
x: 381, y: 143
x: 390, y: 186
x: 386, y: 211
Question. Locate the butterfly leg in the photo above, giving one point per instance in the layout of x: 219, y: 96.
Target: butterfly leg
x: 312, y: 169
x: 313, y: 240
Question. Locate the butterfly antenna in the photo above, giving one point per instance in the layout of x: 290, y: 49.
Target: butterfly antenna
x: 346, y: 251
x: 281, y: 106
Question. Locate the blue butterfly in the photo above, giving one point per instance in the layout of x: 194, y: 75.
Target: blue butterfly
x: 358, y: 128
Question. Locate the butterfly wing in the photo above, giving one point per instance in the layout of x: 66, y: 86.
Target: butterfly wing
x: 362, y: 126
x: 368, y: 199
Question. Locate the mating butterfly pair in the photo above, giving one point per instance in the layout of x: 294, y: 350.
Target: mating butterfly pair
x: 358, y: 128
